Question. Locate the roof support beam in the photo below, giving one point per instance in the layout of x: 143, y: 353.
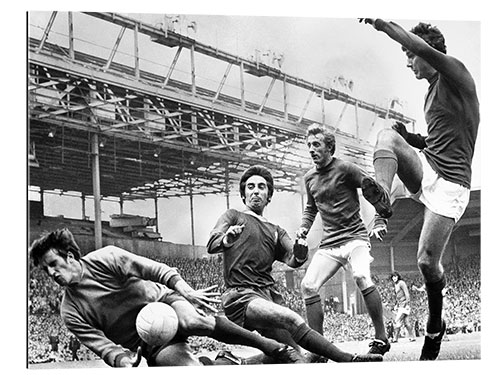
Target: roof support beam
x: 323, y: 115
x: 96, y: 183
x: 270, y: 87
x: 193, y: 72
x: 115, y: 48
x: 71, y: 39
x: 221, y: 84
x: 285, y: 100
x: 305, y: 106
x: 137, y: 69
x: 172, y: 66
x: 46, y: 32
x: 172, y: 39
x: 242, y: 86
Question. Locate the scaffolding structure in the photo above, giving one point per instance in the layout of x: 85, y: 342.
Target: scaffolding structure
x: 112, y: 125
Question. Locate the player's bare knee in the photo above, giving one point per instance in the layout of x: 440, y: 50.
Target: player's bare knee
x: 386, y: 138
x: 428, y: 266
x: 195, y: 324
x: 362, y: 280
x: 295, y: 323
x: 308, y: 288
x: 292, y: 320
x: 186, y: 324
x: 423, y: 264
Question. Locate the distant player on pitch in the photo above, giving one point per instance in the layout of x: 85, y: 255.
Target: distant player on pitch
x: 403, y: 306
x: 440, y: 174
x: 106, y: 289
x: 250, y: 244
x: 332, y: 190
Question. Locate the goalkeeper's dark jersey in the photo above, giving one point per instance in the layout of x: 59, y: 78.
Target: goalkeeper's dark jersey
x: 101, y: 309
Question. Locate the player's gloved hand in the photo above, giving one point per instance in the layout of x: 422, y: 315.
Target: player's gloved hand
x: 401, y: 129
x: 300, y: 250
x: 379, y: 229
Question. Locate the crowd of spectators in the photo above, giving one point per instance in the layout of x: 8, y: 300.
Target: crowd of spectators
x: 462, y: 306
x: 48, y: 338
x: 462, y: 298
x: 200, y: 273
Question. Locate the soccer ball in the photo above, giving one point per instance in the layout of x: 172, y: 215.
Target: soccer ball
x: 157, y: 323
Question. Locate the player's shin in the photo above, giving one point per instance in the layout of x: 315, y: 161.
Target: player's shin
x: 314, y: 312
x: 373, y: 304
x: 385, y: 163
x: 435, y: 302
x: 316, y: 343
x: 230, y: 333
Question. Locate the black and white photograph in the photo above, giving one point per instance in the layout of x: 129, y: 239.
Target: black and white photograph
x: 242, y: 187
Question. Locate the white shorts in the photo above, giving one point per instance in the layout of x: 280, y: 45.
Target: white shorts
x: 401, y: 315
x: 356, y: 252
x: 440, y: 196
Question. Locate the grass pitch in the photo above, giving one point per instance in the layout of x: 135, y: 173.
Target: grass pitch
x: 459, y: 347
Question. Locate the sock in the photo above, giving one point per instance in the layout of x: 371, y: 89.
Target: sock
x: 435, y: 303
x: 231, y: 333
x: 311, y: 340
x: 411, y: 331
x: 385, y: 163
x: 373, y: 304
x: 314, y: 313
x: 396, y: 333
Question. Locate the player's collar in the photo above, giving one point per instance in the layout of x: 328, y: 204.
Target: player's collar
x: 80, y: 278
x: 260, y: 217
x: 326, y: 166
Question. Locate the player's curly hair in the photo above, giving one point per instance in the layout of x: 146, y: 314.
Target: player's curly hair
x: 329, y: 137
x: 431, y: 34
x: 61, y: 240
x: 258, y: 170
x: 397, y: 274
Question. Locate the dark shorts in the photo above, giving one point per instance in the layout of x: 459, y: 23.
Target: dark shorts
x: 235, y: 301
x: 150, y: 352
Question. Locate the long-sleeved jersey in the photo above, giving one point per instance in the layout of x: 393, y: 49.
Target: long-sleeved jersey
x: 248, y: 260
x: 332, y: 191
x: 101, y: 309
x: 451, y: 108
